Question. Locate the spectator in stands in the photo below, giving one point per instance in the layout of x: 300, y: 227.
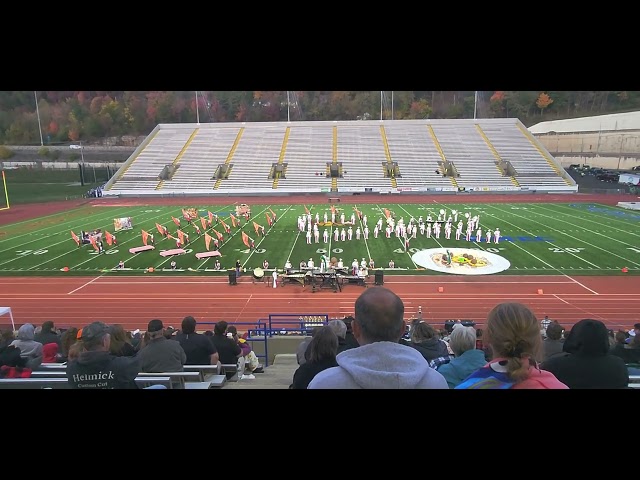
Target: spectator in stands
x: 96, y: 368
x: 304, y: 345
x: 75, y: 350
x: 589, y: 363
x: 200, y: 349
x: 323, y: 349
x: 161, y: 354
x: 467, y: 357
x: 340, y: 329
x: 29, y: 348
x: 229, y: 351
x: 50, y: 353
x: 380, y: 361
x: 120, y: 346
x: 349, y: 338
x: 553, y: 342
x: 544, y: 323
x: 628, y: 352
x: 251, y: 361
x: 513, y: 333
x: 426, y: 339
x: 68, y: 338
x: 10, y: 356
x: 169, y: 332
x: 48, y: 334
x: 144, y: 341
x: 6, y: 337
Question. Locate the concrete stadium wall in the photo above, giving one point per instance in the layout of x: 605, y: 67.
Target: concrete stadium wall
x: 614, y: 150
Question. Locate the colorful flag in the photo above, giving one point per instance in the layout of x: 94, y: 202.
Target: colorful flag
x: 245, y: 240
x: 268, y: 218
x: 333, y: 209
x: 180, y: 236
x: 272, y: 213
x: 185, y: 215
x: 176, y: 220
x: 93, y: 242
x: 204, y: 223
x: 387, y: 213
x: 160, y: 229
x: 306, y: 210
x: 233, y: 220
x: 108, y: 237
x: 145, y: 235
x: 256, y: 226
x: 224, y: 224
x: 217, y: 233
x: 210, y: 216
x: 75, y: 237
x: 207, y: 240
x: 170, y: 237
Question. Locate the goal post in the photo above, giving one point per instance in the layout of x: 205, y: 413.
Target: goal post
x: 4, y: 194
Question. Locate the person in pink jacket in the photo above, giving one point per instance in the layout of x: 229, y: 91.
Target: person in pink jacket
x: 513, y: 334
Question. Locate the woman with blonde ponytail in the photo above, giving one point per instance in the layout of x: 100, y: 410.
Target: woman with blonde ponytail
x: 513, y: 334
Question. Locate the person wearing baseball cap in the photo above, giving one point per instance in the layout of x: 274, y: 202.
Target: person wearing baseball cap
x: 161, y: 354
x: 95, y: 368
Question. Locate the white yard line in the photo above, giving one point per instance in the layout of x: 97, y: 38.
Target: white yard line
x: 552, y: 267
x: 570, y: 236
x: 366, y: 244
x: 592, y: 221
x: 88, y: 283
x: 533, y: 234
x: 407, y: 251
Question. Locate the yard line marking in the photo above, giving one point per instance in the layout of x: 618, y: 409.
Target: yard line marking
x: 560, y: 271
x: 592, y: 221
x: 366, y: 244
x: 88, y: 283
x: 604, y: 206
x: 587, y: 312
x: 402, y: 243
x: 532, y: 234
x: 575, y: 238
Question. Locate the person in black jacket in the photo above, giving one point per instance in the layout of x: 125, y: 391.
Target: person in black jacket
x: 228, y: 350
x: 589, y: 363
x: 48, y: 334
x: 96, y: 368
x: 322, y: 355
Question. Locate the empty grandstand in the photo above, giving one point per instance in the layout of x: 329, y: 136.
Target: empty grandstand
x: 388, y: 156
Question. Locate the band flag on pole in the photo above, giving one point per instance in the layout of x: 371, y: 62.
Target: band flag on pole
x: 207, y: 240
x: 108, y: 237
x: 204, y: 223
x: 176, y: 220
x: 145, y: 235
x: 245, y: 240
x: 75, y: 237
x: 219, y: 235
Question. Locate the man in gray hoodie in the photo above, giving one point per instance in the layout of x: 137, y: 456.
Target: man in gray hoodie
x: 380, y: 361
x: 29, y: 348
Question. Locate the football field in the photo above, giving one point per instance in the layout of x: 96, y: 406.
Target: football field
x: 536, y: 238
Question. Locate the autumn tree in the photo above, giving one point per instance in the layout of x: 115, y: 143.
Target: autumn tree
x: 543, y: 102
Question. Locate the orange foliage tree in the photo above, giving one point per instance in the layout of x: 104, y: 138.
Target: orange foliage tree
x: 543, y: 102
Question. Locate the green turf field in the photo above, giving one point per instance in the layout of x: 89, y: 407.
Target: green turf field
x: 538, y: 238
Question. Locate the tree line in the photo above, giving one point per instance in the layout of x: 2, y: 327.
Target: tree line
x: 59, y: 117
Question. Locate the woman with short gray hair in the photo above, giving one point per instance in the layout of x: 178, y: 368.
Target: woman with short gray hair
x: 467, y: 358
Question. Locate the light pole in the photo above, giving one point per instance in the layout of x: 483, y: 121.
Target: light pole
x: 79, y: 147
x: 35, y: 94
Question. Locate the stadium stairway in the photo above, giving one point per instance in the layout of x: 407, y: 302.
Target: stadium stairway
x: 278, y: 375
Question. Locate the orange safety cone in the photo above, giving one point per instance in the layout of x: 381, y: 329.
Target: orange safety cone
x: 625, y: 270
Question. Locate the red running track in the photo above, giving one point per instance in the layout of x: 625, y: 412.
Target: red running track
x: 133, y: 301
